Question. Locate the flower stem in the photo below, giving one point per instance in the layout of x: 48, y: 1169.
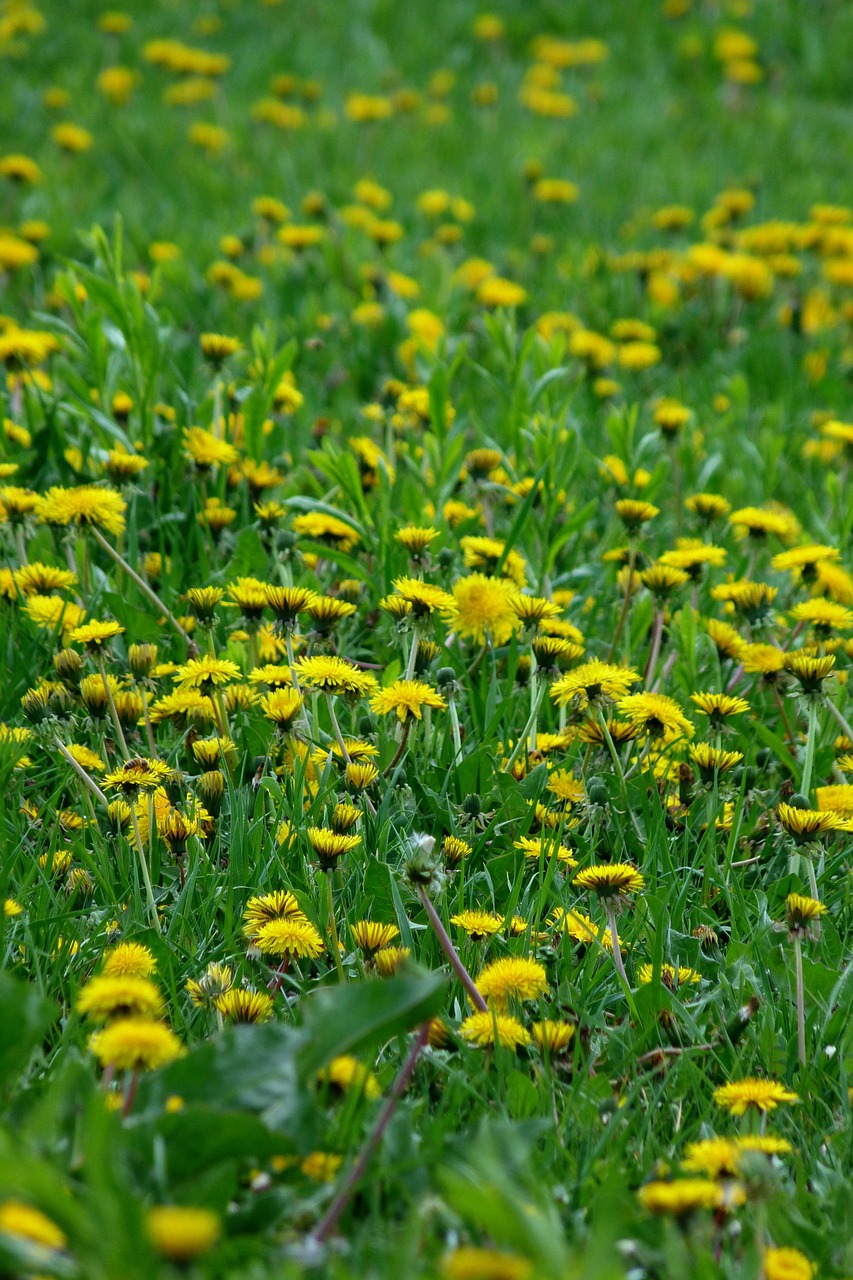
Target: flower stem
x: 454, y: 727
x: 813, y: 890
x: 84, y: 777
x: 112, y: 706
x: 291, y: 661
x: 801, y: 1007
x: 404, y: 738
x: 450, y: 951
x: 626, y: 603
x: 620, y: 772
x: 143, y: 585
x: 535, y: 686
x: 654, y: 651
x: 843, y: 723
x: 610, y: 911
x: 413, y: 656
x: 152, y: 746
x: 811, y: 742
x: 333, y: 928
x: 146, y: 876
x: 524, y: 735
x: 336, y: 1208
x: 336, y: 730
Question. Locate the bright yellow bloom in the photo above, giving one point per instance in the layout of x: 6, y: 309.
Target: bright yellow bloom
x: 346, y: 1074
x: 512, y: 978
x: 763, y: 1094
x: 181, y: 1234
x: 129, y: 959
x: 593, y: 681
x: 205, y: 672
x: 28, y: 1223
x: 610, y: 879
x: 681, y: 1197
x: 105, y: 997
x: 86, y: 505
x: 490, y: 1028
x: 407, y: 698
x: 788, y: 1264
x: 134, y: 1044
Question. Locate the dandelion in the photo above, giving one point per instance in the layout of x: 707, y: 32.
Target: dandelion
x: 129, y: 960
x: 467, y: 1262
x: 242, y: 1005
x: 512, y: 978
x: 655, y: 714
x: 682, y: 1197
x: 483, y: 609
x: 407, y: 698
x: 289, y: 937
x: 336, y: 676
x: 478, y: 924
x: 345, y: 1074
x: 135, y: 1044
x: 613, y: 883
x: 670, y: 977
x: 490, y: 1028
x: 762, y: 1094
x: 182, y: 1234
x: 25, y: 1223
x: 787, y: 1264
x: 109, y: 996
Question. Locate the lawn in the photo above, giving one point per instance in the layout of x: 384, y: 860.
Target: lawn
x: 426, y: 610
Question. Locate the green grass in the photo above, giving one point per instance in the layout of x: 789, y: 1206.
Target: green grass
x: 519, y: 1153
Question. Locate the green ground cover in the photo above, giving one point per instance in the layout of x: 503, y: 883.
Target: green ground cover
x: 426, y: 610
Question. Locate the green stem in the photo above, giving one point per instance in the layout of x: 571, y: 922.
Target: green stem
x: 843, y: 723
x: 811, y: 742
x: 333, y: 928
x: 112, y: 706
x: 531, y: 720
x: 801, y: 1007
x: 610, y: 911
x: 454, y: 727
x: 413, y: 656
x: 83, y: 775
x: 288, y: 641
x: 146, y: 876
x: 626, y: 603
x: 534, y: 708
x: 336, y: 729
x: 450, y: 951
x: 142, y: 584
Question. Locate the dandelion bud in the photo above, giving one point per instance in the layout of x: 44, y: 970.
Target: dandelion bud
x: 596, y: 792
x: 69, y: 664
x: 799, y: 801
x: 119, y: 816
x: 35, y: 705
x: 212, y: 788
x: 472, y: 806
x: 421, y: 866
x: 141, y: 659
x: 445, y: 677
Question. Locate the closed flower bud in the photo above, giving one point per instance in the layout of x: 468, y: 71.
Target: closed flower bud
x: 211, y: 785
x: 141, y: 659
x: 596, y: 792
x: 69, y: 665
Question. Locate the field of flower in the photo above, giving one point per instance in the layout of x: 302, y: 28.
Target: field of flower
x: 426, y: 614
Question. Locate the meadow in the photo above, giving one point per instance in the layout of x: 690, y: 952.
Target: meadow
x: 426, y: 617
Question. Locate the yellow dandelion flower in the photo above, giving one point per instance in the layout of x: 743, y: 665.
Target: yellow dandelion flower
x: 763, y: 1094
